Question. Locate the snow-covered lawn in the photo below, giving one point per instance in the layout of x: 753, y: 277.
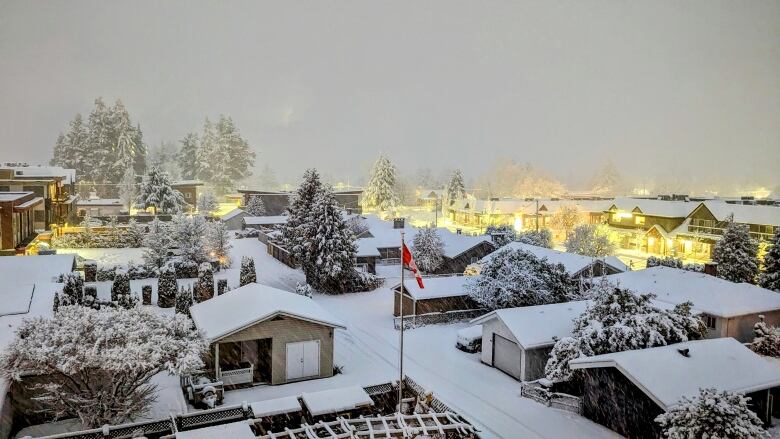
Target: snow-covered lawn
x: 107, y: 256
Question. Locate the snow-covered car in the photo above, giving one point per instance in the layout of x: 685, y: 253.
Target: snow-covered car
x: 470, y: 339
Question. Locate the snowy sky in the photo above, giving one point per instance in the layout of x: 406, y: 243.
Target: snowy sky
x: 440, y: 83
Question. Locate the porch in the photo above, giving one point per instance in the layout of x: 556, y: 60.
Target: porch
x: 243, y: 362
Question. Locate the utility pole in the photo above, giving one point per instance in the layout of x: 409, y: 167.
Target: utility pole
x: 537, y: 215
x: 401, y: 332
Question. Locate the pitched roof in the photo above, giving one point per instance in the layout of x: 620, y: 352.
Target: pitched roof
x: 35, y: 269
x: 265, y: 220
x: 572, y: 262
x: 744, y: 213
x: 435, y: 287
x: 232, y: 214
x: 709, y: 294
x: 666, y: 375
x: 664, y: 208
x: 245, y: 306
x: 535, y: 326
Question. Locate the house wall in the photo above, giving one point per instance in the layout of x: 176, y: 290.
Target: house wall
x: 610, y: 399
x: 534, y: 361
x: 370, y: 262
x: 741, y: 327
x: 490, y: 327
x: 459, y: 263
x: 235, y: 223
x: 288, y: 330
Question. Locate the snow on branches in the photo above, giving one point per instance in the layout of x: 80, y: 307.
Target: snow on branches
x: 713, y: 414
x: 428, y: 249
x: 157, y: 192
x: 770, y: 278
x: 455, y: 189
x: 333, y: 248
x: 380, y: 193
x: 255, y: 206
x: 736, y: 254
x: 98, y: 363
x: 207, y: 203
x: 618, y: 320
x: 248, y: 274
x: 589, y: 240
x: 767, y: 339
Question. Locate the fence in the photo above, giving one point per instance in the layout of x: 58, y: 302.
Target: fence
x: 414, y: 321
x: 535, y: 391
x: 281, y: 254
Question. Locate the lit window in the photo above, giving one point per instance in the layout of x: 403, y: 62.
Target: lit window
x: 640, y: 220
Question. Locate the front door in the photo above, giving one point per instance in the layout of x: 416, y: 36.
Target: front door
x: 303, y: 359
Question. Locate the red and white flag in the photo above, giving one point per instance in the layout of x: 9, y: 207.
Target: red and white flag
x: 409, y: 262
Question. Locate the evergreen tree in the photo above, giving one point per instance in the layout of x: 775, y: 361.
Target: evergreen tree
x: 380, y: 192
x: 218, y: 242
x: 255, y: 207
x: 128, y: 192
x: 713, y: 414
x: 232, y: 159
x: 204, y: 288
x: 428, y: 249
x: 770, y: 278
x: 189, y: 164
x: 157, y: 192
x: 189, y: 236
x: 135, y: 234
x: 589, y: 240
x: 157, y: 242
x: 72, y: 289
x: 124, y: 137
x: 501, y: 235
x: 167, y: 287
x: 248, y: 274
x: 299, y: 231
x: 60, y: 148
x: 99, y: 143
x: 206, y: 152
x: 56, y: 306
x: 207, y: 203
x: 333, y: 247
x: 76, y: 153
x: 766, y: 339
x: 184, y: 301
x: 139, y: 161
x: 736, y: 254
x: 120, y: 289
x: 456, y: 189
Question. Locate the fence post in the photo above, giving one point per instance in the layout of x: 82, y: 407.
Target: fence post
x: 106, y: 431
x: 245, y: 409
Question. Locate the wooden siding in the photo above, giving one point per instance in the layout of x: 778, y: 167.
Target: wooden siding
x: 426, y: 306
x: 288, y: 330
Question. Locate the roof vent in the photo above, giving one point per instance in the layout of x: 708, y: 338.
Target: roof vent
x: 684, y: 352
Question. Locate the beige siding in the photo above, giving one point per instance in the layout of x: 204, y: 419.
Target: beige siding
x: 493, y: 326
x: 289, y: 330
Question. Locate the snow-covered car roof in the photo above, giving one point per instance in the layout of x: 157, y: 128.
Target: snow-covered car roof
x: 251, y: 304
x: 668, y: 373
x: 536, y: 326
x: 709, y: 294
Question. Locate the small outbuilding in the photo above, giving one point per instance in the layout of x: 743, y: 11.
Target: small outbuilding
x: 441, y: 294
x: 263, y: 222
x: 261, y: 334
x: 518, y: 341
x: 234, y: 220
x: 626, y: 391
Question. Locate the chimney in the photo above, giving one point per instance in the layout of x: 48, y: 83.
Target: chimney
x: 398, y: 223
x: 711, y: 268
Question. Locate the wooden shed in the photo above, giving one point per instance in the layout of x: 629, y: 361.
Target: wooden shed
x: 260, y: 334
x: 441, y: 294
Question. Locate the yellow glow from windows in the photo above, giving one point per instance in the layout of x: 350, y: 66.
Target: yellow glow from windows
x: 518, y: 223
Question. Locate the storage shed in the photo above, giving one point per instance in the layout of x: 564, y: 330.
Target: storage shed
x: 441, y: 294
x: 262, y: 334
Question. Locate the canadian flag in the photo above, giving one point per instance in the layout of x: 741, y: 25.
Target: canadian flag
x: 409, y: 262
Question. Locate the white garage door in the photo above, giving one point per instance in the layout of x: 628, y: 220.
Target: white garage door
x: 303, y: 359
x: 506, y: 356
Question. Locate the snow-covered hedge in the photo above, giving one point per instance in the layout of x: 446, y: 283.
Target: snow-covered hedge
x: 669, y: 261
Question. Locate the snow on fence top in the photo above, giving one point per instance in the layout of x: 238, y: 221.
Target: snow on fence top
x: 34, y: 269
x: 336, y: 400
x: 277, y: 406
x: 234, y: 430
x: 535, y: 326
x: 265, y: 220
x: 435, y: 287
x: 245, y: 306
x: 573, y: 263
x: 709, y: 294
x: 668, y: 373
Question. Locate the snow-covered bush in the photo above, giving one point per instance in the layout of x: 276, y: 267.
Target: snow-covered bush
x: 189, y: 237
x: 135, y: 233
x: 207, y: 203
x: 72, y: 289
x: 184, y: 300
x: 157, y: 243
x: 97, y: 364
x: 566, y: 219
x: 766, y: 339
x: 204, y: 287
x: 589, y: 240
x: 167, y: 287
x: 248, y: 274
x: 668, y: 261
x: 380, y: 192
x: 218, y: 242
x: 222, y: 287
x: 770, y: 278
x: 428, y: 249
x: 501, y: 235
x: 736, y: 254
x: 120, y: 288
x: 304, y: 289
x: 247, y: 233
x: 713, y: 414
x: 255, y: 206
x: 365, y: 281
x: 542, y: 238
x: 618, y: 320
x: 517, y: 278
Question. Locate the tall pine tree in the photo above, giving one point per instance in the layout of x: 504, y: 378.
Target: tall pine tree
x: 770, y: 278
x: 157, y: 192
x: 332, y: 262
x: 189, y: 164
x: 380, y: 193
x: 298, y: 232
x: 456, y: 189
x: 736, y: 254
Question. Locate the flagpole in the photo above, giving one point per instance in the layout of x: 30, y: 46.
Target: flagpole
x: 401, y: 332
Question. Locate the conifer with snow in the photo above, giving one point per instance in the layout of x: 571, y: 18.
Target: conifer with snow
x: 618, y: 320
x: 455, y: 189
x: 96, y: 365
x: 157, y: 243
x: 128, y: 192
x: 184, y: 300
x: 56, y: 305
x: 255, y: 206
x: 72, y: 289
x: 380, y: 193
x: 120, y: 288
x: 189, y: 237
x: 248, y: 274
x: 736, y: 254
x: 187, y: 158
x: 766, y: 339
x: 501, y: 235
x: 428, y: 250
x: 299, y: 230
x: 167, y: 287
x: 770, y: 277
x: 156, y: 192
x: 517, y: 278
x: 204, y: 287
x: 135, y: 233
x: 218, y: 242
x: 712, y: 414
x: 589, y: 240
x: 333, y: 247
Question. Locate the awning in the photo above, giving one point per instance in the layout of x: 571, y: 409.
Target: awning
x: 28, y: 204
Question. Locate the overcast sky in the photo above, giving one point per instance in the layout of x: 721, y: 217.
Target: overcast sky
x: 663, y: 87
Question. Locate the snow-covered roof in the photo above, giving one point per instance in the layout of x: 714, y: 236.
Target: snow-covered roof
x: 455, y: 244
x: 276, y: 406
x: 616, y: 263
x: 709, y: 294
x: 366, y: 247
x: 100, y: 202
x: 535, y: 326
x: 665, y: 208
x: 15, y: 298
x: 251, y: 304
x: 572, y: 262
x: 265, y: 220
x: 435, y: 287
x: 68, y: 175
x: 744, y: 213
x: 232, y: 214
x: 234, y: 430
x: 666, y: 375
x: 187, y: 183
x: 34, y: 269
x: 13, y: 196
x: 336, y: 400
